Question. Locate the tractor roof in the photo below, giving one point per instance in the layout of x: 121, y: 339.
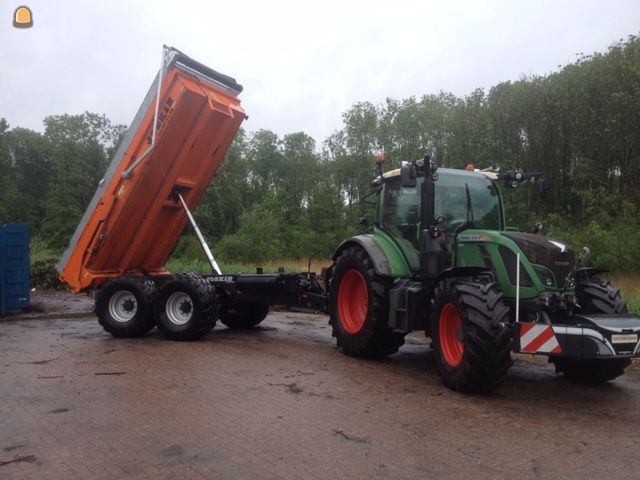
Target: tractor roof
x: 396, y: 173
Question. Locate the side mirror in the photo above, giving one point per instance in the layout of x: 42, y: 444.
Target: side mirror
x: 584, y: 255
x: 408, y: 175
x: 538, y: 228
x: 543, y: 188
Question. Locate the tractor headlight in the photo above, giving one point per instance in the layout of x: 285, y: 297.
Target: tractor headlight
x: 545, y: 276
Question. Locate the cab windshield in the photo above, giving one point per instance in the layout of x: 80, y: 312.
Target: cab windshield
x: 462, y: 199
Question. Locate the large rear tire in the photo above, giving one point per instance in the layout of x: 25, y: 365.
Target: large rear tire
x: 471, y: 335
x: 123, y: 307
x: 242, y: 315
x: 358, y: 307
x: 186, y: 307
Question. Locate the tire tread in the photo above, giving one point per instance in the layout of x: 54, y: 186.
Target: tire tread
x: 376, y: 339
x: 488, y: 336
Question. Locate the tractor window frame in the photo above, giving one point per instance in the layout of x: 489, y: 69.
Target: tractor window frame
x: 409, y: 211
x: 477, y: 185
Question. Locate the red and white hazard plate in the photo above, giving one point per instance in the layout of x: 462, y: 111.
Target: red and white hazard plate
x: 538, y: 338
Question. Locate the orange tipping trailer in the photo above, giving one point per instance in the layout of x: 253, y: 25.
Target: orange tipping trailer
x: 135, y: 218
x: 172, y: 151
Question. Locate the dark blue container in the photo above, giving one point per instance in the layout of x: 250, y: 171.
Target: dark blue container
x: 14, y: 268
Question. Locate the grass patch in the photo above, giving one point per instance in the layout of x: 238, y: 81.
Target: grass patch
x: 44, y: 275
x: 629, y: 285
x: 180, y: 265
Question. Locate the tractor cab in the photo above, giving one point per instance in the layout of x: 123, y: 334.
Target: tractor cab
x: 463, y: 200
x: 442, y: 219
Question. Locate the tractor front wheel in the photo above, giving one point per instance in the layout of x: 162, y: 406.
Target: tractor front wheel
x: 471, y: 335
x: 358, y: 307
x: 596, y: 296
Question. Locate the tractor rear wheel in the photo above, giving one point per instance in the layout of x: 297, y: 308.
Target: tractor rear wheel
x: 186, y: 308
x: 240, y: 315
x: 471, y: 335
x: 123, y: 307
x: 358, y: 307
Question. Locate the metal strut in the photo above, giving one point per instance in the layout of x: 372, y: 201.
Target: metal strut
x: 129, y: 171
x: 203, y: 242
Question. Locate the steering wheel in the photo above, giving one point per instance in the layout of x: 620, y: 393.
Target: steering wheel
x: 455, y: 226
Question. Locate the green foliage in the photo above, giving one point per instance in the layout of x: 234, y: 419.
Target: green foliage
x: 182, y: 265
x: 633, y: 306
x: 43, y: 258
x: 78, y: 146
x: 258, y: 238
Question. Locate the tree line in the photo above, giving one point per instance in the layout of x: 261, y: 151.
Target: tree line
x: 290, y: 197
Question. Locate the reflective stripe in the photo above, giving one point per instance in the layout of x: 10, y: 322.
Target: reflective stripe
x: 538, y: 338
x: 551, y: 346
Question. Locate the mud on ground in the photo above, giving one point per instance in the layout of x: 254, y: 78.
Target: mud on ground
x: 279, y: 402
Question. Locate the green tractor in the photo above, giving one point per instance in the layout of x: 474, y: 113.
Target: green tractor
x: 440, y: 258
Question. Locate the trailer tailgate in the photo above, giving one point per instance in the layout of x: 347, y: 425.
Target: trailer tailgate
x: 133, y: 222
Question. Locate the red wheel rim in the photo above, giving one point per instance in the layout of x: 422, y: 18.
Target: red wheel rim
x: 450, y: 330
x: 353, y: 301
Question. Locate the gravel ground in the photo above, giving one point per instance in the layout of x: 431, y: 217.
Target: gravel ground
x: 279, y: 402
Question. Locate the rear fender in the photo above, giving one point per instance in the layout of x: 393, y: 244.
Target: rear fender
x: 387, y: 259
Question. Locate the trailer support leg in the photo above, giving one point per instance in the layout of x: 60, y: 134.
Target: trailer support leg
x: 203, y: 242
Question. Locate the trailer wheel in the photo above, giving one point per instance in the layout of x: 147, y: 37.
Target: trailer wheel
x: 471, y: 335
x: 590, y: 370
x: 186, y: 308
x: 596, y: 296
x: 358, y: 307
x: 123, y: 307
x: 240, y: 315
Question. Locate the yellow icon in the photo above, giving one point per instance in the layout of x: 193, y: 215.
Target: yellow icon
x: 22, y: 17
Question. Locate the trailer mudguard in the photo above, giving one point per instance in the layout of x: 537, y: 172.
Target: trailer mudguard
x: 385, y: 255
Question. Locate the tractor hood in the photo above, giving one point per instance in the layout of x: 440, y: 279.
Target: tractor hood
x: 556, y: 256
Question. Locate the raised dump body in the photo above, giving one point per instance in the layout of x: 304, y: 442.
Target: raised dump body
x: 134, y: 222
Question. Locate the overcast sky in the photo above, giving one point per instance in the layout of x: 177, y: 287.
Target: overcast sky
x: 302, y: 63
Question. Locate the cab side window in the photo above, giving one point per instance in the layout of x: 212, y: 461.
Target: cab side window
x: 401, y: 211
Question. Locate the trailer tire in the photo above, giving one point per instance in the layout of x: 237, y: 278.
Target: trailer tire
x: 123, y: 307
x: 358, y: 307
x: 590, y: 370
x: 596, y: 296
x: 186, y: 308
x: 471, y: 335
x: 242, y: 315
